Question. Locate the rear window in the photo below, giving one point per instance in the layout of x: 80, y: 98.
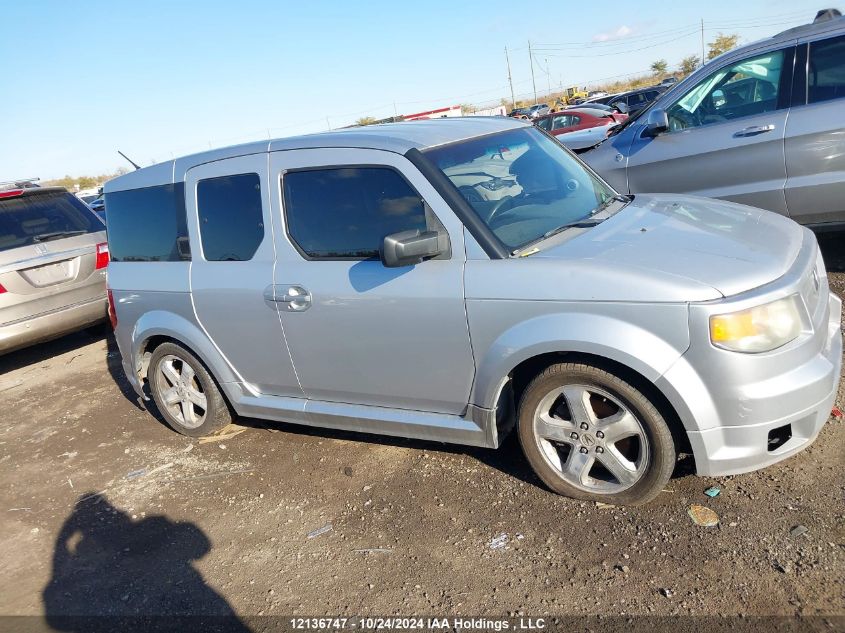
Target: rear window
x: 42, y: 217
x: 826, y: 71
x: 148, y: 225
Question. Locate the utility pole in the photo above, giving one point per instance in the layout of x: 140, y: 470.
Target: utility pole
x: 510, y: 81
x: 531, y: 60
x: 702, y: 41
x: 548, y: 76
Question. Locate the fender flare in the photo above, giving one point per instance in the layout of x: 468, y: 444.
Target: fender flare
x: 625, y: 343
x: 171, y: 325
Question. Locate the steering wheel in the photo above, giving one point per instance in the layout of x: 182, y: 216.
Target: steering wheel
x: 680, y: 119
x: 505, y: 204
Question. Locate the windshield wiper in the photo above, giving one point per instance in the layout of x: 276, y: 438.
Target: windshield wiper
x: 583, y: 223
x: 46, y: 237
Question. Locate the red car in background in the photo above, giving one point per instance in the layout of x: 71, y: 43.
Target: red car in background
x: 573, y: 119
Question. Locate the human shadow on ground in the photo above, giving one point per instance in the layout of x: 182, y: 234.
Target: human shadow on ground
x: 111, y: 573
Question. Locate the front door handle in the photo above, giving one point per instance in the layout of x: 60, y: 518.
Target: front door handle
x: 294, y: 298
x: 754, y: 130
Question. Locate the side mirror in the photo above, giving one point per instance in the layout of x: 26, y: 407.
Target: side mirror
x: 657, y: 122
x: 621, y: 107
x: 408, y: 248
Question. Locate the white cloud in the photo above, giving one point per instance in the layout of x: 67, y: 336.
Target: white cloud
x: 617, y: 34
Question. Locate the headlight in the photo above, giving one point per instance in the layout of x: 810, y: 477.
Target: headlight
x: 758, y: 329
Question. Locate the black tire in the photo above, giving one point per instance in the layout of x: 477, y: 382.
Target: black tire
x: 657, y: 448
x: 216, y: 414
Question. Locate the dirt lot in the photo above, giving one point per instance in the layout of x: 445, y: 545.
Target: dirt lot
x: 105, y: 510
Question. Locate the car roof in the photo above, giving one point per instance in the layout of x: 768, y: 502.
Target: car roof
x: 392, y: 137
x: 823, y: 21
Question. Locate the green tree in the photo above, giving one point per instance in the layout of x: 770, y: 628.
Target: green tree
x: 659, y: 67
x: 365, y: 120
x: 688, y: 64
x: 722, y: 44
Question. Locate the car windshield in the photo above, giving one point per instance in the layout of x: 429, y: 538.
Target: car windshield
x: 522, y: 184
x: 42, y: 217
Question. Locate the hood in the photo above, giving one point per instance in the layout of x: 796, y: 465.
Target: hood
x: 729, y: 247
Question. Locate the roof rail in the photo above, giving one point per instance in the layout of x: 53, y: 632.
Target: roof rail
x: 827, y: 14
x: 21, y: 183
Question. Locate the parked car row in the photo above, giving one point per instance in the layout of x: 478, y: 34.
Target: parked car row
x: 456, y: 279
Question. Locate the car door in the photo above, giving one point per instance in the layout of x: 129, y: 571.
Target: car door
x: 815, y: 149
x: 359, y: 332
x: 725, y: 138
x: 231, y: 234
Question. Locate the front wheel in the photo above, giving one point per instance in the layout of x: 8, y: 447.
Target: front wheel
x: 589, y: 434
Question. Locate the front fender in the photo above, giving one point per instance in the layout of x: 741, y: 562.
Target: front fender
x: 624, y: 340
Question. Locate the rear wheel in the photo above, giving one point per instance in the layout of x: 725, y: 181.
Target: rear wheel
x: 185, y: 393
x: 589, y: 434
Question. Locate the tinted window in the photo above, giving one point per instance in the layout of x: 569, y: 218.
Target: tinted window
x: 826, y: 70
x: 347, y: 212
x: 148, y: 225
x: 42, y: 217
x: 746, y: 88
x: 544, y: 124
x: 231, y: 218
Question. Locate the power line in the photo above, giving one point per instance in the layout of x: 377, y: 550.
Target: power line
x: 632, y: 50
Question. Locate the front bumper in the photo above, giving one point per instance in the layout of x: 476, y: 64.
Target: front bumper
x: 803, y: 398
x: 52, y: 324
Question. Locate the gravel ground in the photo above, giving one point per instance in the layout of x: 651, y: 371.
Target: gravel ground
x: 105, y: 510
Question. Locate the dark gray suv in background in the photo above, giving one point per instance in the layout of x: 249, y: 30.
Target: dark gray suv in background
x: 763, y: 125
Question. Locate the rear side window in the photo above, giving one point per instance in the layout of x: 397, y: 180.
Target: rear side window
x: 345, y: 213
x: 148, y: 225
x: 231, y: 217
x: 826, y: 70
x: 42, y: 217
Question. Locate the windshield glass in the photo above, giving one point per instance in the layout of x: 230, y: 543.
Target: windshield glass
x: 521, y: 183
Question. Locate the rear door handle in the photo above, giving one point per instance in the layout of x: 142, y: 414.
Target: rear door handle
x: 754, y: 130
x: 294, y: 298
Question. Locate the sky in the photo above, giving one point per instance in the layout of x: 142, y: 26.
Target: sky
x: 159, y: 80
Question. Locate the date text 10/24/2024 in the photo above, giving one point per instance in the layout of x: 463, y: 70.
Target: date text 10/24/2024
x: 418, y: 623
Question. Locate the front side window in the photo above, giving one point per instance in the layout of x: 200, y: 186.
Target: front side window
x: 744, y: 89
x: 521, y: 183
x: 545, y: 124
x: 346, y: 212
x: 230, y: 216
x: 826, y: 70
